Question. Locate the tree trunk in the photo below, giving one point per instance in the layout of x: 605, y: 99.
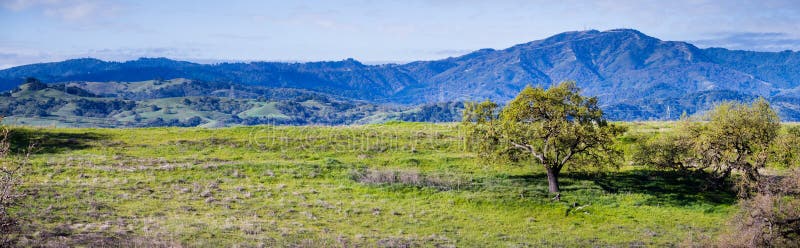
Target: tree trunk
x: 552, y: 180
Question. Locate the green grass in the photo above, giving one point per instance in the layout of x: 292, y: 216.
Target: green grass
x: 285, y: 186
x: 266, y: 109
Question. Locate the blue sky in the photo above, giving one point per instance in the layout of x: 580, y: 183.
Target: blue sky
x: 371, y: 31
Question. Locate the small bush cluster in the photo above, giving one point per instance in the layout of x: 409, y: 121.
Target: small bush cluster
x: 409, y: 178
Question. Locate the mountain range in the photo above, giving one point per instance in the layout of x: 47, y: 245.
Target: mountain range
x: 635, y: 76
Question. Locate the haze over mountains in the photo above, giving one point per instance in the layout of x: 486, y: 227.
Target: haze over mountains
x: 636, y: 77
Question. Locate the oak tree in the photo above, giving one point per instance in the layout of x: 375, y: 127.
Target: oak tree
x: 554, y: 127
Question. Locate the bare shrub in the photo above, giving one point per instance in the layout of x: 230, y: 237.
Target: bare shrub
x: 11, y: 169
x: 410, y: 178
x: 770, y: 218
x: 376, y: 176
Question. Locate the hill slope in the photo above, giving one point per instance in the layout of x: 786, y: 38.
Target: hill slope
x: 183, y: 102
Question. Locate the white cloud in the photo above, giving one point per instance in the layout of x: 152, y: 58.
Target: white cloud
x: 16, y: 56
x: 68, y: 10
x: 123, y: 54
x: 757, y: 41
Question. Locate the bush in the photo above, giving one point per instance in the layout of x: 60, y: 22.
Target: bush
x: 732, y: 137
x: 409, y: 178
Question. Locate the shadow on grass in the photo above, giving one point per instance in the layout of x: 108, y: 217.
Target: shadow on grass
x: 664, y: 188
x: 49, y: 142
x: 667, y: 187
x: 533, y: 184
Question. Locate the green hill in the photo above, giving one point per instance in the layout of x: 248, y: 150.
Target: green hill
x: 181, y: 102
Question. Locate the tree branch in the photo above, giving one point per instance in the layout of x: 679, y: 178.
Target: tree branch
x: 530, y: 149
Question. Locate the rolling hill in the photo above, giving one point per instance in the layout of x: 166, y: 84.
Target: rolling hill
x: 184, y: 102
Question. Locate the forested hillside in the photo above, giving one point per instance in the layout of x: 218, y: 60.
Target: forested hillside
x: 182, y: 102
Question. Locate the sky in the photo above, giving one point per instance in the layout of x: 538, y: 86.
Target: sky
x: 371, y: 31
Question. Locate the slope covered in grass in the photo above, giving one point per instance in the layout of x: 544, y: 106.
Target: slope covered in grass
x: 393, y: 184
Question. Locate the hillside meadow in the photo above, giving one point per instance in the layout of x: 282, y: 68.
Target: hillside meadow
x: 392, y: 185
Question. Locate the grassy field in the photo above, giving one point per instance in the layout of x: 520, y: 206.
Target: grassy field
x: 395, y: 184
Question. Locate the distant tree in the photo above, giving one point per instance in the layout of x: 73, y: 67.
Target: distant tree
x: 556, y: 127
x: 34, y: 84
x: 31, y: 80
x: 191, y: 122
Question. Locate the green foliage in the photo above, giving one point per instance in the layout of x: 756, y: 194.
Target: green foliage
x: 731, y: 137
x: 555, y: 127
x: 481, y: 133
x: 785, y: 150
x: 668, y: 150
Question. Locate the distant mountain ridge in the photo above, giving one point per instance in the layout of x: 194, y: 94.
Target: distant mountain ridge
x: 636, y: 77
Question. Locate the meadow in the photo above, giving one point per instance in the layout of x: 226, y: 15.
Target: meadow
x: 385, y: 185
